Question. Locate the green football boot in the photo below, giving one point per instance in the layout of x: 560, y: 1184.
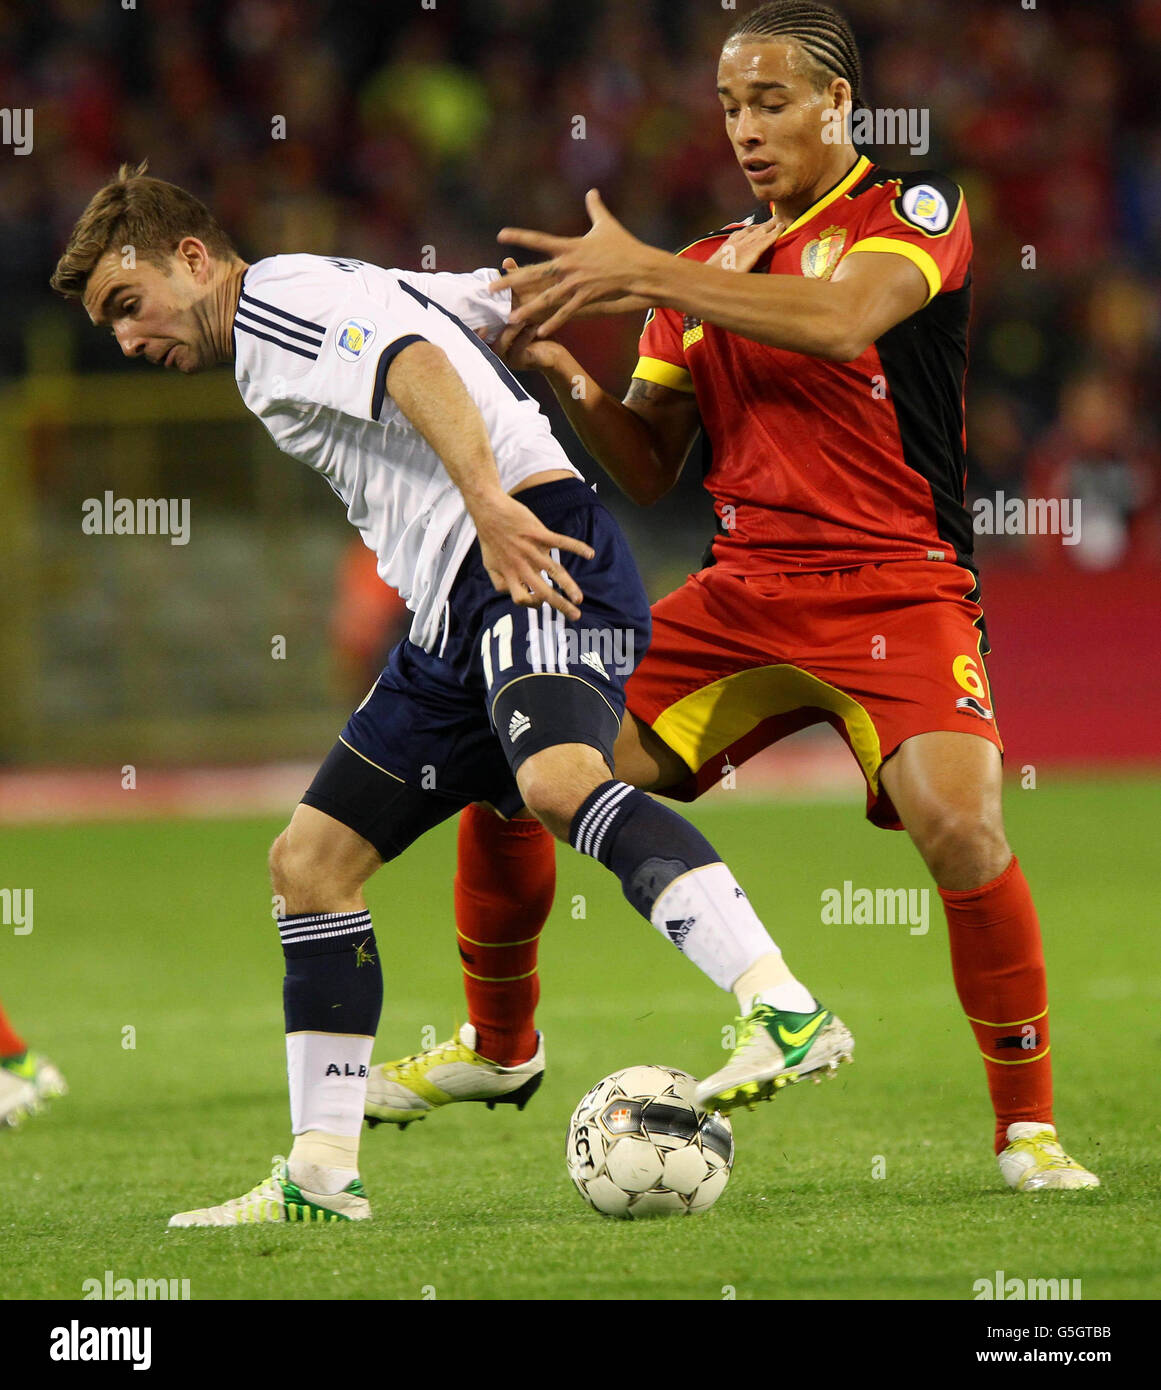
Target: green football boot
x: 279, y: 1199
x: 775, y: 1048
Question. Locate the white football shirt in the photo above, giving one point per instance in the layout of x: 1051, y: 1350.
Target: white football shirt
x: 314, y: 338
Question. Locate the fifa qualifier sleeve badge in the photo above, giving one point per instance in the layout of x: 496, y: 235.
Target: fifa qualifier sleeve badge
x: 353, y: 338
x: 929, y: 205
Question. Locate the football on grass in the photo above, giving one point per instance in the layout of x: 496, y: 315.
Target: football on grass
x: 639, y: 1146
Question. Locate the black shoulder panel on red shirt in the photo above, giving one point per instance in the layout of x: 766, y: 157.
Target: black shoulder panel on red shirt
x: 927, y: 199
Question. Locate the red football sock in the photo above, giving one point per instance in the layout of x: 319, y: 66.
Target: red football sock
x: 998, y: 964
x: 505, y: 882
x: 11, y: 1043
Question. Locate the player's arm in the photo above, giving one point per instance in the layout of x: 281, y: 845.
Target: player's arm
x: 641, y: 442
x: 836, y: 319
x: 514, y: 543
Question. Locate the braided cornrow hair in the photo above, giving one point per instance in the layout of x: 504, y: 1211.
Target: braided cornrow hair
x: 823, y: 34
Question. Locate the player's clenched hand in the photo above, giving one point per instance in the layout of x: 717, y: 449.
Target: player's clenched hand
x: 521, y: 350
x: 518, y: 347
x: 592, y: 270
x: 743, y: 249
x: 517, y: 548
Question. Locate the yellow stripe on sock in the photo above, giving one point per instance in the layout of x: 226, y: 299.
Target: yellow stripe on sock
x: 1015, y: 1024
x: 499, y: 979
x: 527, y: 941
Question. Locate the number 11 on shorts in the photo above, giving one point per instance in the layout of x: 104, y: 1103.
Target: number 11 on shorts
x: 502, y: 632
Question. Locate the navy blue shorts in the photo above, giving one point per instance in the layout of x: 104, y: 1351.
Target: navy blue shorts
x: 502, y: 683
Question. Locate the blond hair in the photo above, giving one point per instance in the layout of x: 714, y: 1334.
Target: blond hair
x: 133, y: 210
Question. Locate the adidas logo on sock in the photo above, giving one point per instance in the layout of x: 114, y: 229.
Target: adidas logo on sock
x: 517, y: 725
x: 678, y: 931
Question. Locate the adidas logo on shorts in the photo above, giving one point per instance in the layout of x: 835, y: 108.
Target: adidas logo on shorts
x: 593, y: 660
x: 517, y: 725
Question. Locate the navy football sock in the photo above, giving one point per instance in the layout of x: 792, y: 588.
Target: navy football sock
x: 334, y: 982
x: 644, y: 843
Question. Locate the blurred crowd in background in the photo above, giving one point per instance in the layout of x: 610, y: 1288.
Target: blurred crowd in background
x: 409, y: 127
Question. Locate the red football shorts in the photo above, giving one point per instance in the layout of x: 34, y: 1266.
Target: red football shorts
x: 881, y: 652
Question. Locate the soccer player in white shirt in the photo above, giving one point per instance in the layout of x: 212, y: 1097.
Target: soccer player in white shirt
x: 503, y: 692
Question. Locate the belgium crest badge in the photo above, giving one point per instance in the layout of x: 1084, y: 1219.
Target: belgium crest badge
x: 822, y: 255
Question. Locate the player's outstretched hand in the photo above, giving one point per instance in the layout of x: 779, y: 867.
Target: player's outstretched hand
x: 594, y: 272
x: 522, y: 349
x: 517, y: 548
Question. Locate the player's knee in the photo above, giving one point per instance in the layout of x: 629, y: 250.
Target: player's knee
x: 551, y: 804
x: 274, y: 861
x: 282, y: 865
x: 311, y: 874
x: 554, y: 784
x: 964, y: 846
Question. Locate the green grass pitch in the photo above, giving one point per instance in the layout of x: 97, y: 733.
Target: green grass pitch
x: 165, y: 929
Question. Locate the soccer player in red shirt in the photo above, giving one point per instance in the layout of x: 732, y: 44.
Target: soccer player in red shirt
x: 829, y: 383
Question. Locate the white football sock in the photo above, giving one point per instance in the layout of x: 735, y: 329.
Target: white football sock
x: 327, y: 1073
x: 709, y: 919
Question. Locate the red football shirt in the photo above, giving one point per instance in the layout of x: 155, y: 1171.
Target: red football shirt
x: 818, y: 465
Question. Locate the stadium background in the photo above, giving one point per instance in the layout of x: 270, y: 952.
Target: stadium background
x: 412, y: 132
